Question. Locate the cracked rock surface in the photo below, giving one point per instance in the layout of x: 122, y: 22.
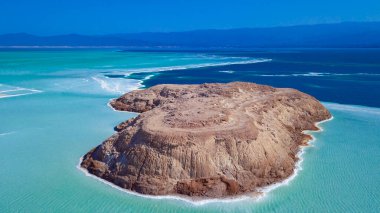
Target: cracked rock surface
x: 208, y: 140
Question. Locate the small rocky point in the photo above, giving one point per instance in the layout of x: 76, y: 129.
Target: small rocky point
x: 207, y: 140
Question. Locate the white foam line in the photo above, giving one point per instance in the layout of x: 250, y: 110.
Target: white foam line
x: 227, y: 71
x: 6, y: 133
x: 113, y: 109
x: 318, y: 74
x: 310, y: 74
x: 171, y: 197
x: 193, y: 66
x: 110, y: 106
x: 279, y: 75
x: 299, y: 155
x: 16, y: 95
x: 117, y: 88
x: 352, y: 108
x: 147, y: 78
x: 139, y: 83
x: 218, y: 57
x: 263, y: 190
x: 12, y: 90
x: 15, y: 88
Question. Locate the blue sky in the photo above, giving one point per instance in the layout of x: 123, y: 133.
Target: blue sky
x: 47, y: 17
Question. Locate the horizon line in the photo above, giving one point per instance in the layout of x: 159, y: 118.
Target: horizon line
x: 186, y: 31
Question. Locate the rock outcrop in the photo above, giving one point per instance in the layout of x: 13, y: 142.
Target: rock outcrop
x: 208, y: 140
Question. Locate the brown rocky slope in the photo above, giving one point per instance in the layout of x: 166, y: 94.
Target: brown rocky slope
x: 208, y: 140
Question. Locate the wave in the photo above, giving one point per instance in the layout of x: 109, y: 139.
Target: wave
x: 6, y: 133
x: 147, y: 77
x: 7, y: 91
x: 118, y: 85
x: 318, y: 74
x: 227, y: 71
x: 352, y: 108
x: 309, y: 74
x: 208, y: 56
x: 193, y: 66
x: 312, y: 74
x: 10, y: 96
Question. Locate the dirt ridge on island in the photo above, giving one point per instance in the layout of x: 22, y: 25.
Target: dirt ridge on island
x: 208, y: 140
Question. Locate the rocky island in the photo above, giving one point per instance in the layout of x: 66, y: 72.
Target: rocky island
x: 208, y: 140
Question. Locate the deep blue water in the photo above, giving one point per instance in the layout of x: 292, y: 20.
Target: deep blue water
x: 347, y: 76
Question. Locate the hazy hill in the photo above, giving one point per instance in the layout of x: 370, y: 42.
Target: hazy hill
x: 359, y: 34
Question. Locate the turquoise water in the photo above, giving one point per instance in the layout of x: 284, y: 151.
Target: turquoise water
x: 43, y: 134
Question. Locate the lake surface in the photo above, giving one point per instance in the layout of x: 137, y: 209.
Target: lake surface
x: 53, y: 109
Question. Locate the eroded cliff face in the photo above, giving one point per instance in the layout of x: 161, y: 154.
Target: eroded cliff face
x: 208, y: 140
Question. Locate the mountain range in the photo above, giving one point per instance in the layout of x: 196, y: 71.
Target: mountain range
x: 340, y: 35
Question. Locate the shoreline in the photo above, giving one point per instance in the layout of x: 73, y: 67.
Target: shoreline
x: 298, y: 165
x: 194, y: 201
x: 197, y: 201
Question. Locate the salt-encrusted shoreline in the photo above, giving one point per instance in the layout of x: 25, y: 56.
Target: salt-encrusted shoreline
x: 298, y: 165
x: 265, y: 105
x: 262, y: 192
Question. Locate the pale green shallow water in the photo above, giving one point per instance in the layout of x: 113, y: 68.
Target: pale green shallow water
x: 43, y: 135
